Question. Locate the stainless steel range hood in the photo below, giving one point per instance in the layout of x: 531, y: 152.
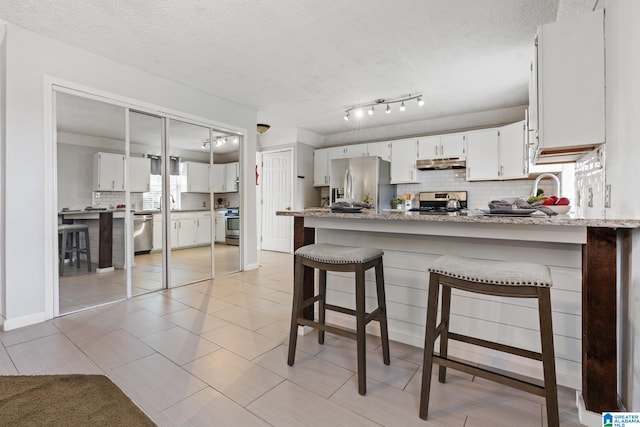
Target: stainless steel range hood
x: 447, y: 163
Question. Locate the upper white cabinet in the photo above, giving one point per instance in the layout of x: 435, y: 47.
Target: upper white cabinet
x: 497, y: 153
x: 139, y: 174
x: 108, y: 172
x: 321, y: 167
x: 482, y: 155
x: 567, y: 91
x: 442, y: 146
x: 225, y: 177
x: 357, y: 150
x: 231, y: 176
x: 404, y: 153
x: 194, y: 177
x: 380, y: 149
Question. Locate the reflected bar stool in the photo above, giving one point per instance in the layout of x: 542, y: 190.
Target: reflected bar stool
x: 70, y: 244
x: 328, y: 257
x: 498, y: 278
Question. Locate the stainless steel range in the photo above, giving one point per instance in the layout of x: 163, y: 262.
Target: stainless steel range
x: 441, y: 203
x: 232, y: 226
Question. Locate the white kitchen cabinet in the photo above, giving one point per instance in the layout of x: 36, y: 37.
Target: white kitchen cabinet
x: 203, y: 228
x: 512, y: 151
x: 497, y: 153
x: 139, y: 174
x: 380, y: 149
x: 356, y: 150
x: 225, y: 177
x: 220, y: 226
x: 442, y: 146
x: 404, y: 154
x: 231, y: 177
x: 219, y: 177
x: 183, y: 230
x: 157, y: 232
x: 108, y: 172
x: 321, y: 167
x: 567, y: 99
x: 482, y: 155
x: 194, y: 177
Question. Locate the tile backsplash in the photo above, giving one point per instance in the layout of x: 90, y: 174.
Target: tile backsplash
x: 590, y: 182
x: 480, y: 192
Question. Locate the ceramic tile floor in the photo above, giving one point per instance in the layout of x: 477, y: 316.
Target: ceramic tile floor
x: 80, y: 289
x: 214, y: 354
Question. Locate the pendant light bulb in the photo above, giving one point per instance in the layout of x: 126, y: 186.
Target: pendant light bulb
x: 370, y: 111
x: 420, y: 102
x: 346, y: 116
x: 359, y: 113
x: 402, y: 107
x: 388, y: 110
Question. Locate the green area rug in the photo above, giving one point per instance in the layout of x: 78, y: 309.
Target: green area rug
x: 70, y: 400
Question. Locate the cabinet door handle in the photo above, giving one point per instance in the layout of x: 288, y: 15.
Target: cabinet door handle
x: 435, y: 150
x: 113, y: 185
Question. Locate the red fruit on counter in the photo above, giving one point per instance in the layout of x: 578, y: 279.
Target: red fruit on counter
x: 554, y: 198
x: 547, y: 201
x: 562, y: 201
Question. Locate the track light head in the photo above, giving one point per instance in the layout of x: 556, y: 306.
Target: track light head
x: 402, y: 107
x: 420, y: 101
x: 370, y: 111
x: 388, y: 110
x: 346, y: 116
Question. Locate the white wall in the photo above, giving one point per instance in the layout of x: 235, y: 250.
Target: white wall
x: 3, y: 144
x: 30, y: 59
x: 622, y: 44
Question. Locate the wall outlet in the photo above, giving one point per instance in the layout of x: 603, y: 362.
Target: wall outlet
x: 590, y: 197
x: 607, y: 196
x: 96, y: 195
x: 204, y: 204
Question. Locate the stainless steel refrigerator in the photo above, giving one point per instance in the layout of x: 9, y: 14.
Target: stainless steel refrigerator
x: 362, y: 179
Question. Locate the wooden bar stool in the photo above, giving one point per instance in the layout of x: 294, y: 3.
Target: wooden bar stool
x: 70, y: 244
x: 328, y: 257
x: 498, y: 278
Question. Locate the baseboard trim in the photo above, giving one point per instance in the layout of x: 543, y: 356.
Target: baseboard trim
x: 251, y: 266
x: 105, y: 269
x: 20, y: 322
x: 586, y: 417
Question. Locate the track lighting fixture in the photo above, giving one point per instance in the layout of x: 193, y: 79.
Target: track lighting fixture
x: 370, y: 106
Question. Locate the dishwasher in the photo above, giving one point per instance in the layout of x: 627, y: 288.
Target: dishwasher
x: 142, y: 233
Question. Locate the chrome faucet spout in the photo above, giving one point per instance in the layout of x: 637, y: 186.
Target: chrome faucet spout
x: 546, y: 175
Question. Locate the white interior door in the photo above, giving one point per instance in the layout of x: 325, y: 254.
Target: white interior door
x: 277, y: 195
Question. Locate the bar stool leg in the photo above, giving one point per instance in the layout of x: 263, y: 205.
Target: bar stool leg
x: 384, y: 332
x: 429, y: 340
x: 361, y: 336
x: 322, y: 291
x: 88, y: 249
x: 548, y: 357
x: 445, y: 315
x: 63, y: 251
x: 295, y: 309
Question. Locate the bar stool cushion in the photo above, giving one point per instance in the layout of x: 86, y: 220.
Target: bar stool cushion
x: 338, y: 254
x: 492, y: 272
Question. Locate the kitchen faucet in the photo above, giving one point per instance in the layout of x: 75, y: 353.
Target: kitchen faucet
x: 546, y: 175
x: 173, y: 201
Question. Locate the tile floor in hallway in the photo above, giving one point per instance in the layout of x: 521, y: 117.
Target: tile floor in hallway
x: 214, y: 354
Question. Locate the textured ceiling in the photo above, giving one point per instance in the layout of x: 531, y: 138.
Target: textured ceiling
x: 302, y: 62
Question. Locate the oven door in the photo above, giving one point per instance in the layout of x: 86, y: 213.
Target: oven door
x: 232, y: 230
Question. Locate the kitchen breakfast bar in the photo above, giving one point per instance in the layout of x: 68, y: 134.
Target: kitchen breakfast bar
x: 587, y: 258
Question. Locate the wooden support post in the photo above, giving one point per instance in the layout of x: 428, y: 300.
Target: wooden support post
x: 303, y: 236
x: 105, y: 240
x: 599, y: 344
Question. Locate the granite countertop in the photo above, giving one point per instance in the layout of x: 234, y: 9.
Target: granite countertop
x: 471, y: 217
x: 155, y: 211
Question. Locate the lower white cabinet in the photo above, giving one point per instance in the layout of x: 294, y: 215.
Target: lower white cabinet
x: 203, y: 228
x: 157, y: 232
x: 220, y: 226
x: 187, y: 229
